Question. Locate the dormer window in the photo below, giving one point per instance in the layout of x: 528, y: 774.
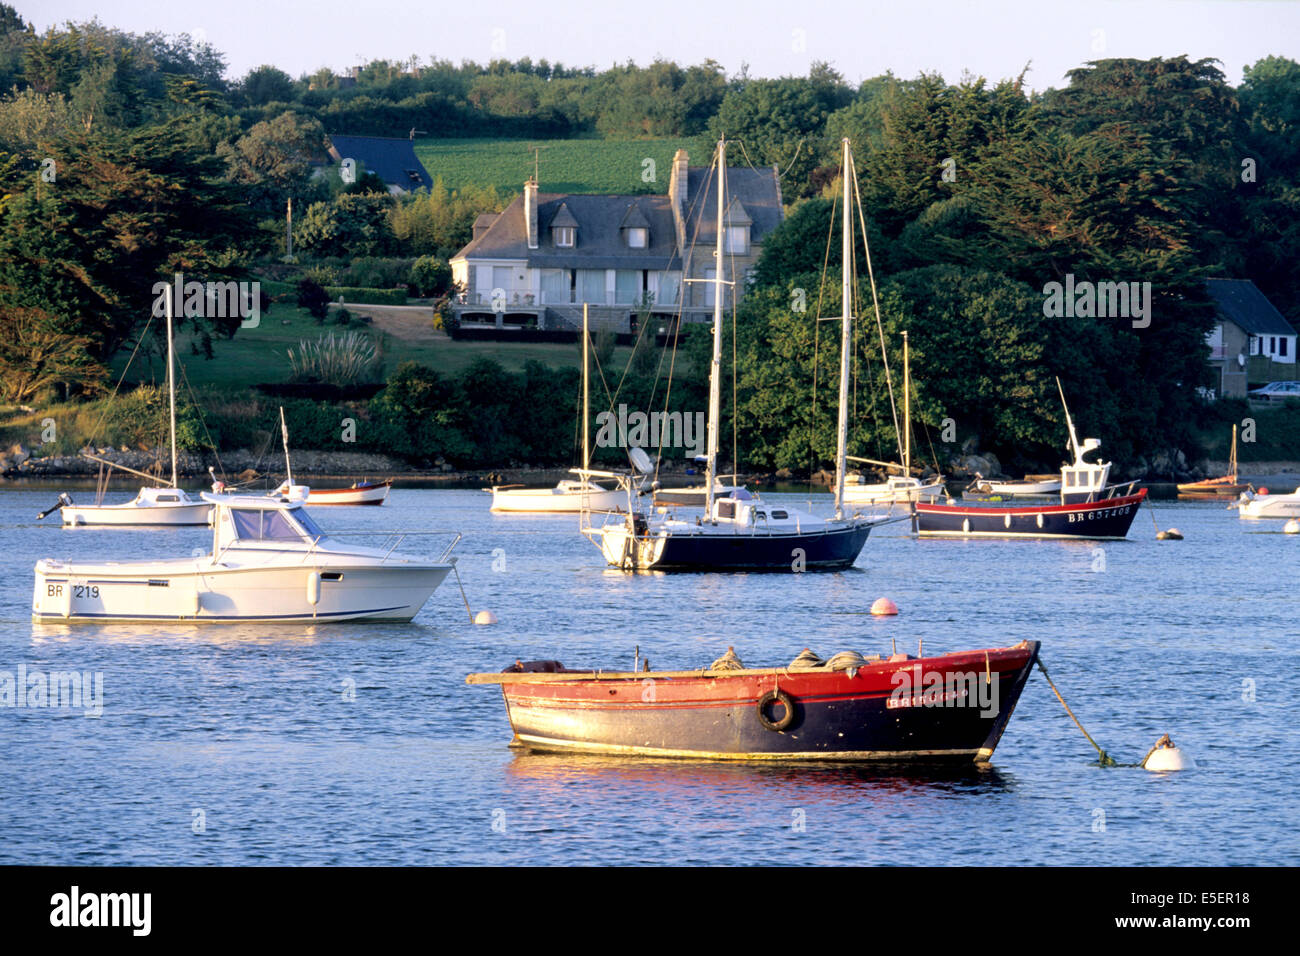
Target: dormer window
x: 737, y: 240
x: 565, y: 236
x: 637, y: 237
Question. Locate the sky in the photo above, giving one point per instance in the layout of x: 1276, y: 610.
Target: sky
x: 991, y: 38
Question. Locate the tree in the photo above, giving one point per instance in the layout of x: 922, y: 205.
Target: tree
x: 267, y: 84
x: 38, y: 351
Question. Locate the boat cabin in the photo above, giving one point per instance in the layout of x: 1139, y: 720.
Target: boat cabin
x: 244, y: 521
x: 1084, y: 480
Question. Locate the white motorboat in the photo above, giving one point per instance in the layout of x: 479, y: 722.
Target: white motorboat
x: 166, y: 505
x: 1255, y: 505
x: 152, y: 506
x: 895, y: 489
x: 568, y: 497
x: 269, y: 562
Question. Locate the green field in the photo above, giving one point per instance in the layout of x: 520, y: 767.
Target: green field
x: 256, y: 356
x: 564, y: 165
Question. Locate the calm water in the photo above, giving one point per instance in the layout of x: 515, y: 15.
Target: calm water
x: 246, y: 730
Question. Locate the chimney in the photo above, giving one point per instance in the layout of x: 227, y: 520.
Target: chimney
x: 530, y: 211
x: 677, y: 185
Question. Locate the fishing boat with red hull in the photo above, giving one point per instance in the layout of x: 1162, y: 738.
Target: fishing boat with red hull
x: 1089, y: 509
x: 942, y: 708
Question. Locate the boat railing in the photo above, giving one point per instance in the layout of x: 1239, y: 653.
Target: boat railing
x: 389, y: 542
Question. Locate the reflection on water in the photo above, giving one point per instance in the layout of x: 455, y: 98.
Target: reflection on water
x: 549, y: 776
x: 361, y: 743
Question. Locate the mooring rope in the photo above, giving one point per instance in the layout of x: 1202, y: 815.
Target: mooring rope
x: 1106, y: 759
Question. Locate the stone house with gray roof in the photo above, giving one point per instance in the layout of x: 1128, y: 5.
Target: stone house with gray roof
x: 547, y: 254
x: 1252, y: 342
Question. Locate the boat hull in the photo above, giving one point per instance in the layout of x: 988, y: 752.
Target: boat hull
x: 375, y: 494
x: 133, y: 515
x: 1107, y: 519
x: 876, y: 713
x: 551, y: 501
x: 744, y: 550
x: 1271, y: 506
x: 203, y: 593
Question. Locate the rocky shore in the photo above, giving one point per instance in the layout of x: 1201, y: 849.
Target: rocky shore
x: 19, y: 462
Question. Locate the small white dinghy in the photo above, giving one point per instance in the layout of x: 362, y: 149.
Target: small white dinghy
x: 269, y: 562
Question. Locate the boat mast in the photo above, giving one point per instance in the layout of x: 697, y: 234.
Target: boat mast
x: 846, y: 331
x: 171, y: 384
x: 1232, y: 465
x: 586, y: 351
x: 715, y: 366
x: 907, y: 412
x: 284, y: 437
x: 1074, y: 439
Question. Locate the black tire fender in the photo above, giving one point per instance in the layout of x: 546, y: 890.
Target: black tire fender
x: 772, y: 697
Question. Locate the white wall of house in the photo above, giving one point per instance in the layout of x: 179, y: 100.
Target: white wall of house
x: 1279, y: 348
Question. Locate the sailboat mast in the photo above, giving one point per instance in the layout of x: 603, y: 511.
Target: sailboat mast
x: 284, y: 438
x: 907, y: 411
x: 586, y: 351
x: 846, y: 332
x: 715, y: 366
x: 1232, y: 465
x: 171, y: 384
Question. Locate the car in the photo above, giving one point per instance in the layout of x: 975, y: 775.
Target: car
x: 1276, y: 391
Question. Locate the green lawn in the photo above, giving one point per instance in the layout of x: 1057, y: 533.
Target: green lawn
x: 564, y: 165
x: 258, y: 355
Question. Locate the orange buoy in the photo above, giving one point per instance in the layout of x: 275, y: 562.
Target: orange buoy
x: 1262, y: 491
x: 883, y: 607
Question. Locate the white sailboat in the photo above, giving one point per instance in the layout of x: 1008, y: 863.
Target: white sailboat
x: 269, y: 562
x: 736, y: 531
x: 902, y: 488
x: 167, y: 505
x: 570, y: 496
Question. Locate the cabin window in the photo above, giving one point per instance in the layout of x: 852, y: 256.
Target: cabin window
x: 780, y: 514
x: 726, y: 509
x: 270, y: 524
x: 168, y: 498
x: 565, y: 236
x: 262, y: 525
x: 304, y: 519
x: 638, y: 237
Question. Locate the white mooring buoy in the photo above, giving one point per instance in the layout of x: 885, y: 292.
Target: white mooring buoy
x: 485, y: 617
x: 1173, y: 534
x: 1291, y: 527
x: 1165, y: 756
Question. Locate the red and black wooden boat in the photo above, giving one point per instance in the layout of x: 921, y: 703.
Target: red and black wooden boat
x: 947, y: 707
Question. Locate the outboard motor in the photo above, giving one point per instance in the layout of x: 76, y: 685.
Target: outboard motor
x: 65, y: 500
